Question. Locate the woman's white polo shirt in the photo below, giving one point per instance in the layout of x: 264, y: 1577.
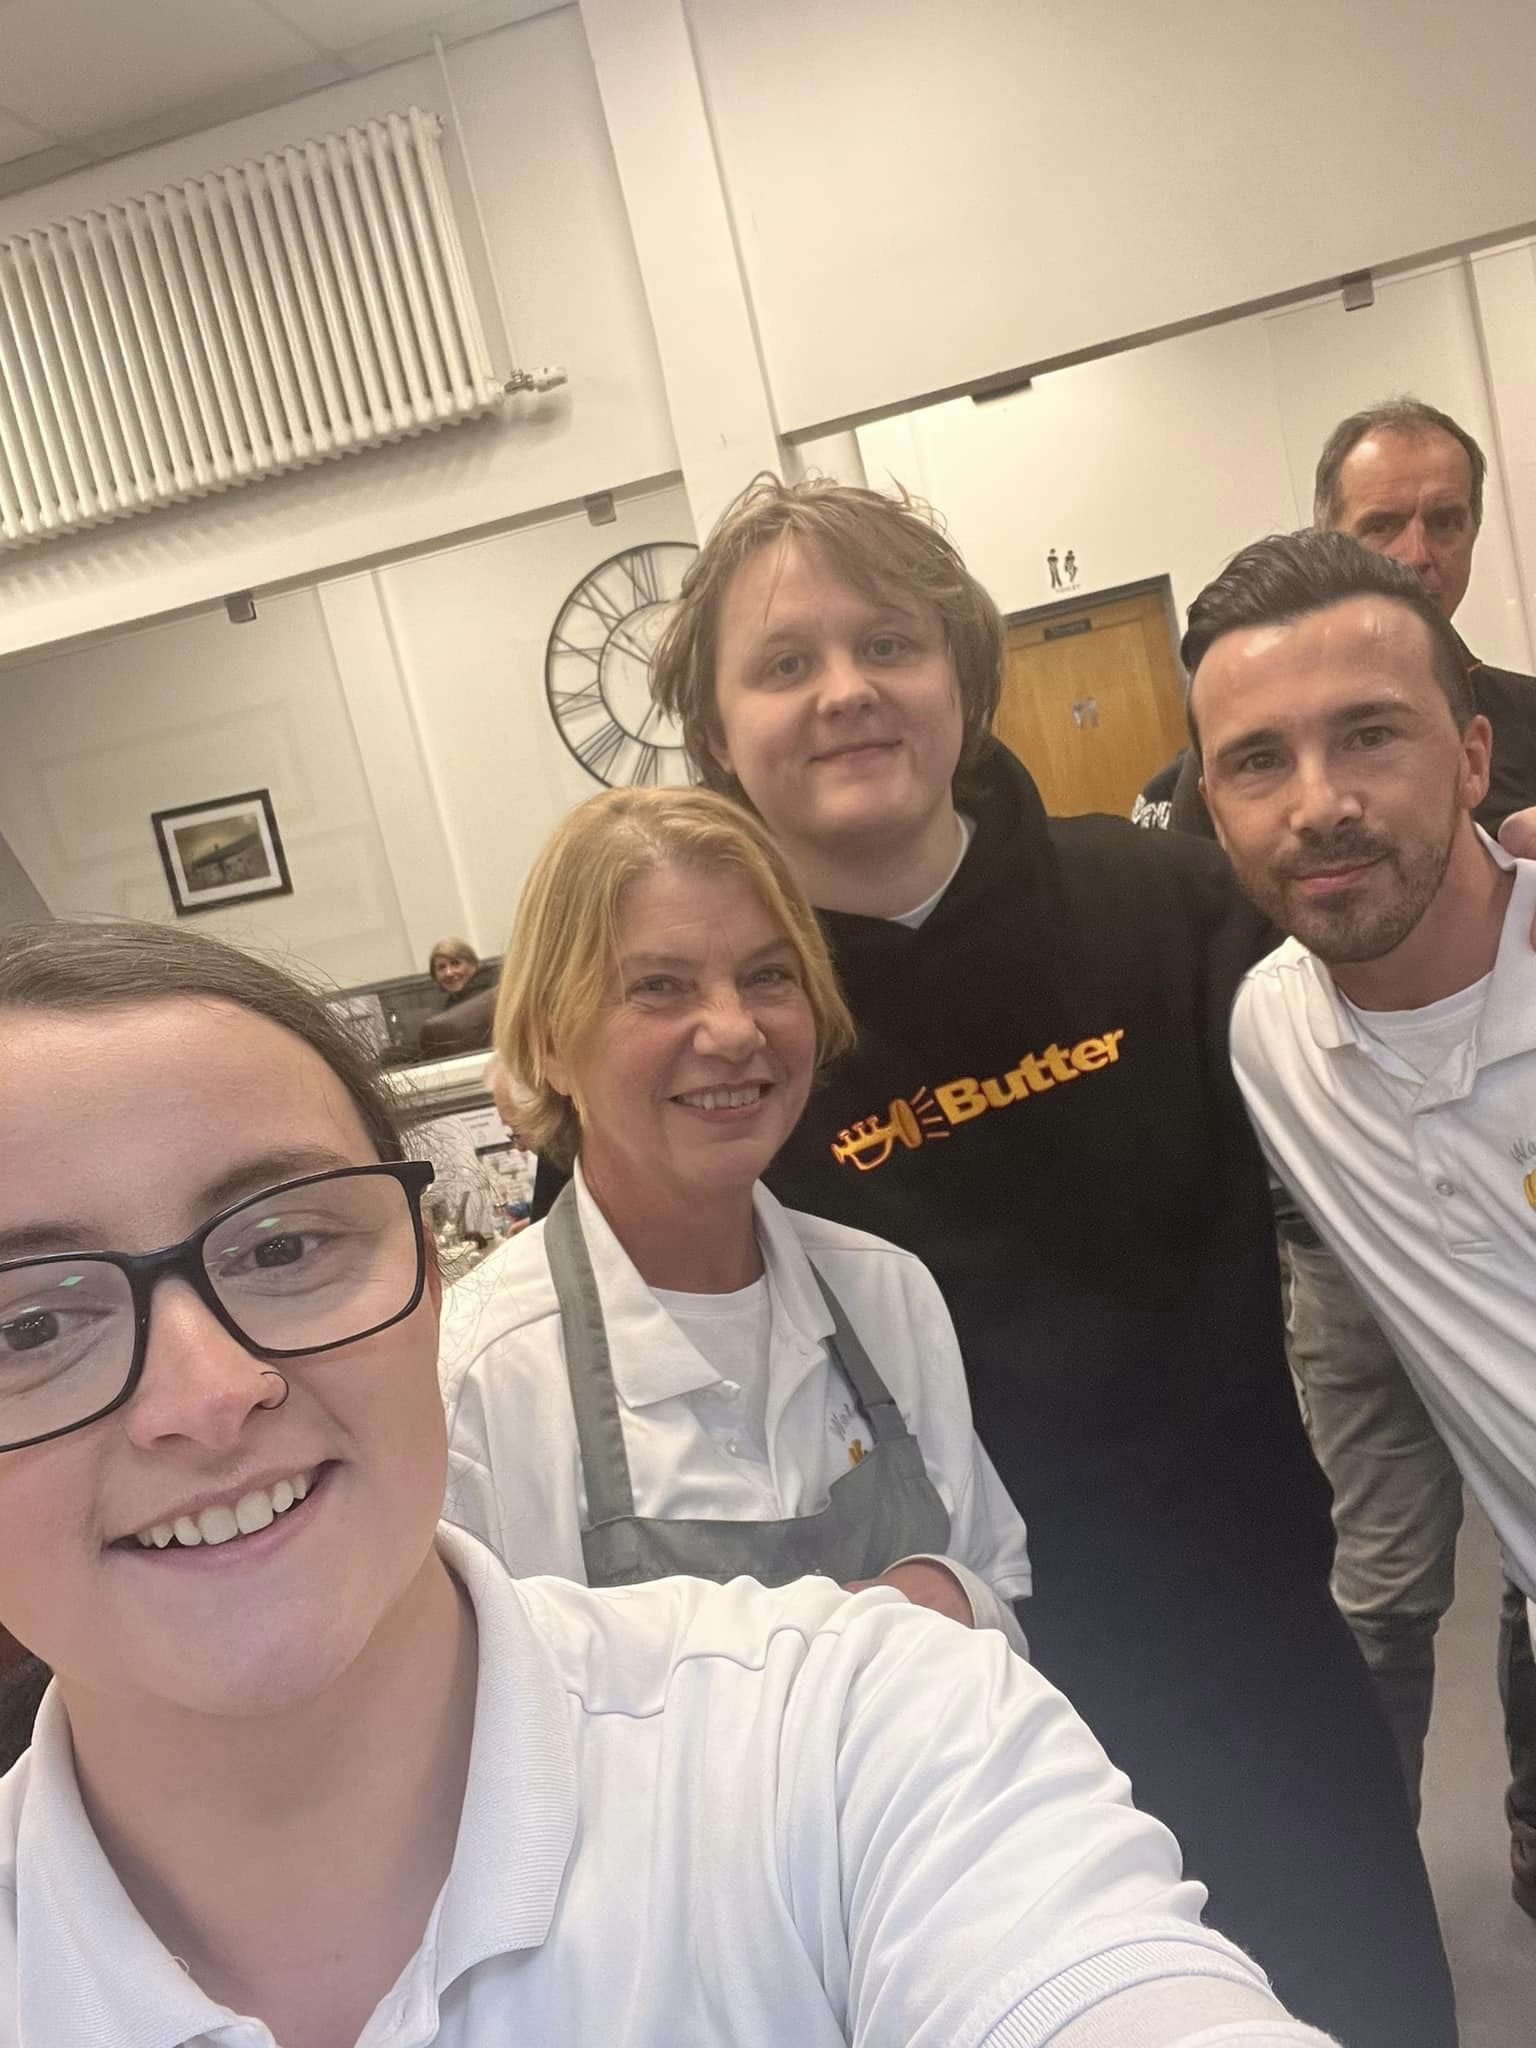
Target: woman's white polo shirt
x: 698, y: 1815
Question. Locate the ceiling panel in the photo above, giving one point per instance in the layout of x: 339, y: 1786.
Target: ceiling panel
x: 136, y: 59
x: 250, y: 96
x: 148, y: 71
x: 383, y: 31
x: 342, y: 24
x: 17, y: 139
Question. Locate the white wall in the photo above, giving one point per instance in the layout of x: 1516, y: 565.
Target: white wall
x: 1151, y: 463
x: 561, y: 247
x: 470, y: 626
x: 388, y: 850
x: 1167, y: 459
x: 926, y: 191
x: 98, y: 738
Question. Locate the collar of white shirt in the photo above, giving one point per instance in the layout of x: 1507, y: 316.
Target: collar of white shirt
x: 651, y: 1357
x: 1507, y: 1025
x: 90, y: 1970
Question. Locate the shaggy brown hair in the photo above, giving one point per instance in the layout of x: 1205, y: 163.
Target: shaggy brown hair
x: 884, y: 547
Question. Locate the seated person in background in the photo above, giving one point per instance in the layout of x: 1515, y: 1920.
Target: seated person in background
x: 672, y: 1373
x: 464, y: 1022
x: 315, y: 1770
x: 1387, y: 1051
x: 458, y: 970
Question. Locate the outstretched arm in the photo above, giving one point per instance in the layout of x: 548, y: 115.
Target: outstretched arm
x: 978, y: 1877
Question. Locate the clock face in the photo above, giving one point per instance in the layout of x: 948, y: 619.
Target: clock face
x: 597, y: 672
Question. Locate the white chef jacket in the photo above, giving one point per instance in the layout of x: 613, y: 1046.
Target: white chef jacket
x: 1426, y: 1189
x: 697, y: 1814
x: 514, y: 1461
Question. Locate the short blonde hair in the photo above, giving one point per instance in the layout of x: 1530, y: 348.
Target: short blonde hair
x: 459, y: 950
x: 565, y: 943
x: 884, y: 546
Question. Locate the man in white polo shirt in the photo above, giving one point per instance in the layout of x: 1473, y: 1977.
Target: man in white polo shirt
x: 1387, y: 1051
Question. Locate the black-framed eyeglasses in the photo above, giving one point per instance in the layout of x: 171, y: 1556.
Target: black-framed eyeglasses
x: 300, y: 1268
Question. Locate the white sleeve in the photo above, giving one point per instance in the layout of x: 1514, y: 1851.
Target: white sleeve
x: 966, y: 1869
x: 514, y: 1467
x: 1258, y: 1080
x: 1172, y: 2009
x: 987, y: 1610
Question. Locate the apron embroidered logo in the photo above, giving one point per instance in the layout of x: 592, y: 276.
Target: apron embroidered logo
x: 856, y: 1452
x: 925, y: 1117
x: 1523, y: 1152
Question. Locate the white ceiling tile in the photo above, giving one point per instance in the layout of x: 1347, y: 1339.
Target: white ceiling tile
x: 250, y: 97
x: 386, y: 31
x: 136, y: 59
x: 340, y: 24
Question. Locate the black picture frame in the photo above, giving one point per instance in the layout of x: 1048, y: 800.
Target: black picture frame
x: 225, y: 851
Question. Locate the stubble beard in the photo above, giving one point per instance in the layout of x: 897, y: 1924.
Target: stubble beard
x: 1379, y: 916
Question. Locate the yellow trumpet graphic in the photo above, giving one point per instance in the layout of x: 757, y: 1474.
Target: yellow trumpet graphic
x: 870, y: 1142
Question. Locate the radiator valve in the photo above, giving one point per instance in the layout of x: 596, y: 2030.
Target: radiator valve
x: 545, y: 378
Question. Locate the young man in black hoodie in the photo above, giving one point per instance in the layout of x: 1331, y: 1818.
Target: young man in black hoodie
x: 1040, y: 1106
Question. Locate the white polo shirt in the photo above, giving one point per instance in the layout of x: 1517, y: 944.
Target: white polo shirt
x: 1425, y: 1186
x: 695, y: 1449
x: 697, y: 1815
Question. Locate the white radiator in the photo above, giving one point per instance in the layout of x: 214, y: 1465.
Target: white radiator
x: 232, y: 326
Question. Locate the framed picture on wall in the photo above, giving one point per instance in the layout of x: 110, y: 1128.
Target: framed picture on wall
x: 227, y: 851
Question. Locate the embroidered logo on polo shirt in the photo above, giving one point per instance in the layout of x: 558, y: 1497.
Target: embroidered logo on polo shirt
x: 841, y: 1423
x: 921, y: 1118
x: 1523, y: 1152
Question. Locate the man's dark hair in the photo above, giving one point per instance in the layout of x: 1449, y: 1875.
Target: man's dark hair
x: 1291, y: 575
x: 1410, y: 417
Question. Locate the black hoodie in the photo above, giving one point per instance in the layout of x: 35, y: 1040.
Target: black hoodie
x: 1040, y: 1106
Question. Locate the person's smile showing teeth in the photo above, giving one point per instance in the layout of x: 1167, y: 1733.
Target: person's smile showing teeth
x: 719, y: 1100
x: 226, y: 1518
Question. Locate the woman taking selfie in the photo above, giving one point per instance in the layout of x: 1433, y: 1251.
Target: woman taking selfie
x: 674, y: 1373
x: 314, y: 1771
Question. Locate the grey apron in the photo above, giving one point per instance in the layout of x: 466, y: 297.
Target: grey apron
x: 883, y: 1508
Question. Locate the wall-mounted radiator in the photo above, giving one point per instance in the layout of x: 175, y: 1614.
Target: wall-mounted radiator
x: 232, y: 326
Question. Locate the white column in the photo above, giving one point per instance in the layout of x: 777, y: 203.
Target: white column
x: 19, y: 898
x: 653, y: 102
x: 834, y: 455
x: 406, y: 801
x: 1504, y: 287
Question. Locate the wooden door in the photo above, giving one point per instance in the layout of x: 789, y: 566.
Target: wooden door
x: 1093, y: 701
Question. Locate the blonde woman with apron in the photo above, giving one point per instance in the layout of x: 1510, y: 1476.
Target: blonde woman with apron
x: 674, y: 1374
